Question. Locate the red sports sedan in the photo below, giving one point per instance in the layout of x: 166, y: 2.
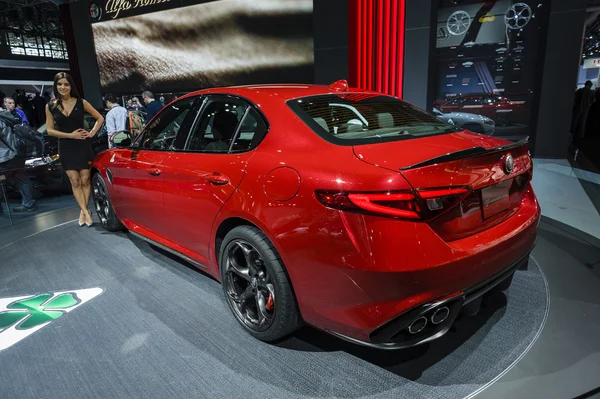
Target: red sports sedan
x: 352, y: 211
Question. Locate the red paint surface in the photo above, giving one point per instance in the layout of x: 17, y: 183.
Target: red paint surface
x: 282, y: 184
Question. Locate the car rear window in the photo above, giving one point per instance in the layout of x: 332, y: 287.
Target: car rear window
x: 356, y: 118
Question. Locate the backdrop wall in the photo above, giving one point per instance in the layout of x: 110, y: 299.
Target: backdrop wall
x: 194, y: 46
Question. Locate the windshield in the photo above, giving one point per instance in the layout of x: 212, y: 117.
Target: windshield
x: 357, y: 118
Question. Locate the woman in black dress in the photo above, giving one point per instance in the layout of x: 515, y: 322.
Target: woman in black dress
x: 64, y: 119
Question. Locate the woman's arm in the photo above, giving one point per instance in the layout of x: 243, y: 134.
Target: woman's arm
x: 99, y: 118
x: 77, y: 134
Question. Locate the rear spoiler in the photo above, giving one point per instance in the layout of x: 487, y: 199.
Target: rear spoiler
x: 467, y: 153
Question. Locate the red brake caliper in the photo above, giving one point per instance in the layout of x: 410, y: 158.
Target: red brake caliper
x: 270, y: 303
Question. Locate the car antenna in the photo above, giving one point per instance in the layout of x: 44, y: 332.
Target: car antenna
x: 340, y: 85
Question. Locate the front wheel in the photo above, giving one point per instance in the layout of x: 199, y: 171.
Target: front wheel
x: 256, y: 285
x: 103, y: 206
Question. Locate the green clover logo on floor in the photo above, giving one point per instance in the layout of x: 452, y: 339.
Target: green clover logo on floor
x: 22, y: 316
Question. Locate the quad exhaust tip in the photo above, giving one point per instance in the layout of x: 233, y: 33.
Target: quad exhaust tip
x: 440, y: 315
x: 418, y: 325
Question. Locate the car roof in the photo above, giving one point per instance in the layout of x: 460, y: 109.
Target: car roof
x: 284, y: 92
x: 478, y: 95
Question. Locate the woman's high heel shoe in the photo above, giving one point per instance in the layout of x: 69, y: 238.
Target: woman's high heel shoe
x: 81, y: 221
x: 91, y: 222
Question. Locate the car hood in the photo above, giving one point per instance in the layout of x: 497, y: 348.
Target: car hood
x: 400, y: 154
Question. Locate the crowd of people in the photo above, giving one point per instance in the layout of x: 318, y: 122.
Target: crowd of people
x: 30, y: 107
x: 63, y: 114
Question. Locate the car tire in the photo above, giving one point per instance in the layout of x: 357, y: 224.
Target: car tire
x: 267, y: 280
x: 103, y: 205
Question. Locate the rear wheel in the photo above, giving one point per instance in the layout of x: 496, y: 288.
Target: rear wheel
x: 103, y: 206
x: 256, y: 285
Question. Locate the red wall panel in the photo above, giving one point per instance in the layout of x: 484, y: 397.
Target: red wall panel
x: 376, y: 45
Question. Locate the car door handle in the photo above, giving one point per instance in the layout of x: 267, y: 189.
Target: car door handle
x: 155, y: 171
x: 217, y: 179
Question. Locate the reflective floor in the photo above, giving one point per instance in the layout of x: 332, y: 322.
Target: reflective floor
x: 563, y: 362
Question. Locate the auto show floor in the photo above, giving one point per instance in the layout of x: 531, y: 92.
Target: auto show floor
x: 43, y: 206
x: 145, y: 324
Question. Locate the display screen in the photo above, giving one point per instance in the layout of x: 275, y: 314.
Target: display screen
x: 219, y: 43
x: 488, y: 64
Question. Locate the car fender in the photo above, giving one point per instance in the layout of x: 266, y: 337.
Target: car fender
x: 238, y: 205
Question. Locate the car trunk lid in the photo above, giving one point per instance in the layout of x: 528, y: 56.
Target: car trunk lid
x: 459, y: 160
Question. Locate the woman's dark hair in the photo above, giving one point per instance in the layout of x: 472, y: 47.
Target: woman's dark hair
x: 74, y: 93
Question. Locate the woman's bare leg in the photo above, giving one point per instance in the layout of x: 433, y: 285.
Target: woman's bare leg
x: 75, y: 180
x: 86, y: 186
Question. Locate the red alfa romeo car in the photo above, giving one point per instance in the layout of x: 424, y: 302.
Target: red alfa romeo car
x: 352, y: 211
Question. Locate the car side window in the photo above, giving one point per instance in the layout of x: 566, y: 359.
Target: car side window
x: 472, y: 101
x: 251, y: 132
x: 217, y: 125
x: 169, y: 129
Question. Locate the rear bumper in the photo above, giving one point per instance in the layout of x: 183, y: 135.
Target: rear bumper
x: 393, y: 335
x: 398, y: 269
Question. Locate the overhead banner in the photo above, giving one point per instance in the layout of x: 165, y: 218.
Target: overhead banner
x: 106, y: 10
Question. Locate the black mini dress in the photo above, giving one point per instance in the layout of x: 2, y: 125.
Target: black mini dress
x: 74, y: 154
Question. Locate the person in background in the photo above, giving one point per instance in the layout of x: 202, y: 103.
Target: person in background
x: 116, y: 118
x: 137, y: 106
x: 584, y: 99
x: 9, y: 104
x: 39, y: 106
x: 152, y: 105
x: 11, y: 166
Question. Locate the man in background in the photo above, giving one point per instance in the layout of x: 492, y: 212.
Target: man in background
x: 152, y: 105
x: 39, y: 105
x: 584, y: 98
x: 116, y: 118
x: 12, y: 166
x: 9, y: 104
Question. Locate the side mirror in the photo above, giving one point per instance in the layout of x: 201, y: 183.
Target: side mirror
x: 122, y: 139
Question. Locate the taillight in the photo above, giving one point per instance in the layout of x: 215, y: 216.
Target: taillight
x: 440, y: 200
x: 394, y: 204
x: 423, y: 204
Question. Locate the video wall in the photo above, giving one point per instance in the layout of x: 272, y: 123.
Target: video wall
x: 488, y: 63
x: 191, y: 47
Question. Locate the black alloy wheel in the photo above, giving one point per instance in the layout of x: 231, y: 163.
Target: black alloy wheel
x: 103, y: 206
x: 249, y: 286
x: 256, y: 286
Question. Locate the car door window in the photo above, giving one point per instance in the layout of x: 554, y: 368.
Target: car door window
x: 217, y: 125
x: 456, y: 102
x: 170, y: 128
x: 251, y: 132
x: 472, y: 101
